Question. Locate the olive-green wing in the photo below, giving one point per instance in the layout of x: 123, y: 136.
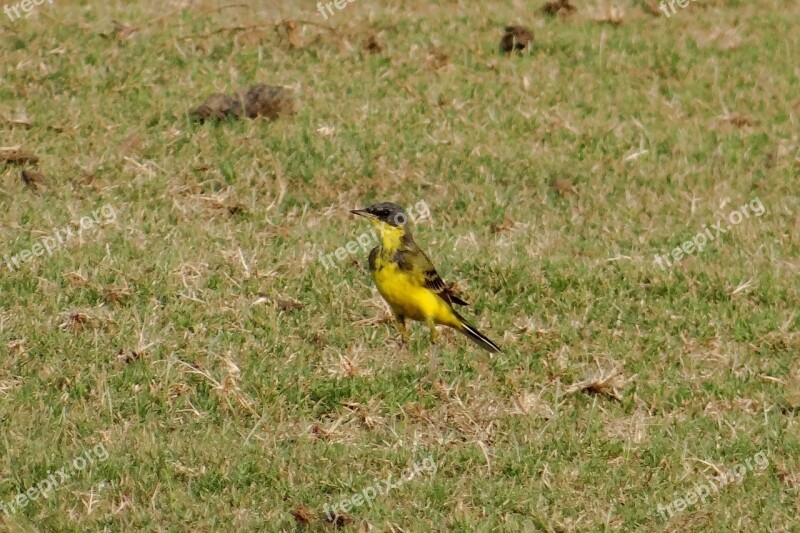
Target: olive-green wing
x: 416, y: 262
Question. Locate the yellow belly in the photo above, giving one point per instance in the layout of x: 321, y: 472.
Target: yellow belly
x: 409, y: 298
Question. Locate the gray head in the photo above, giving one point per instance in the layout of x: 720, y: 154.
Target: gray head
x: 386, y: 212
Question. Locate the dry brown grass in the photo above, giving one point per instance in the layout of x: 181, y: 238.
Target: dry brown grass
x: 239, y: 384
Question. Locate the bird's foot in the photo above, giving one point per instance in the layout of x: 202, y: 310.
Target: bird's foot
x: 402, y: 343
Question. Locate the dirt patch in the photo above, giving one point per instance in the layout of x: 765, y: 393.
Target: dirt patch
x: 268, y: 101
x: 559, y: 7
x: 259, y: 100
x: 563, y: 187
x: 217, y: 107
x: 33, y: 180
x: 372, y: 45
x: 17, y: 156
x: 515, y: 39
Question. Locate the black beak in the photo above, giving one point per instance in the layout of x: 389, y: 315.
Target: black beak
x: 362, y: 213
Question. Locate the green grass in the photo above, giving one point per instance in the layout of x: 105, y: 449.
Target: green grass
x: 172, y: 335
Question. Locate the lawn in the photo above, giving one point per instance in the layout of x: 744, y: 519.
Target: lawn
x: 177, y: 357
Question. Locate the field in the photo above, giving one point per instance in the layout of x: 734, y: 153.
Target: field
x: 165, y: 313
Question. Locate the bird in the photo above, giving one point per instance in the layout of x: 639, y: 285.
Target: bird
x: 408, y: 281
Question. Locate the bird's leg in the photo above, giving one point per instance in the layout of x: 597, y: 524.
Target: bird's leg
x: 432, y: 326
x: 401, y: 327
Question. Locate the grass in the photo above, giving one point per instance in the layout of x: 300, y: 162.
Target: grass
x: 232, y: 378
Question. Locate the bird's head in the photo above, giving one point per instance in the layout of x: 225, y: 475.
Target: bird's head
x: 389, y: 219
x: 384, y: 213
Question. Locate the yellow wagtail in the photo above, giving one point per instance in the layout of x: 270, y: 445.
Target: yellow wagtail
x: 407, y: 280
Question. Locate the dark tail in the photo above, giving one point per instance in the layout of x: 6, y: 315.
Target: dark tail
x: 477, y: 337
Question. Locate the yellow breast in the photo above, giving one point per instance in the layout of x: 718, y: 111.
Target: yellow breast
x: 407, y: 296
